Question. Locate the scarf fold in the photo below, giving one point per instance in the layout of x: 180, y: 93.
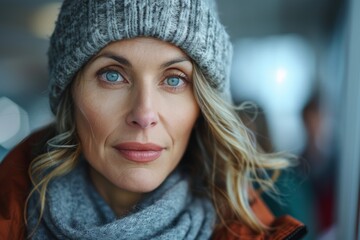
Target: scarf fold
x: 75, y: 210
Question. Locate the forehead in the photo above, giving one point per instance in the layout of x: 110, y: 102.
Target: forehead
x: 144, y: 47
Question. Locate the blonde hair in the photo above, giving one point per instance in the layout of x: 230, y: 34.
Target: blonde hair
x: 235, y: 162
x: 226, y: 150
x: 61, y: 157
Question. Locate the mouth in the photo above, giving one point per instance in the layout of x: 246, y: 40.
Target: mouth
x: 139, y: 152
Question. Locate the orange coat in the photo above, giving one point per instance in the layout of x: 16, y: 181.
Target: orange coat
x: 15, y: 185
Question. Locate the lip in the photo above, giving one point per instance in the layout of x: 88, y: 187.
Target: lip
x: 139, y: 152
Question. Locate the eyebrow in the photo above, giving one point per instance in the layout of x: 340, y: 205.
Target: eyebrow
x: 174, y: 61
x: 117, y: 58
x: 124, y: 61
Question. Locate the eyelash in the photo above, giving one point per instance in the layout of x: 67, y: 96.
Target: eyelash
x: 182, y: 76
x: 109, y: 69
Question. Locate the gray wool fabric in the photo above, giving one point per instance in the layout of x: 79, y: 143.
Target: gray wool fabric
x: 75, y: 210
x: 84, y: 27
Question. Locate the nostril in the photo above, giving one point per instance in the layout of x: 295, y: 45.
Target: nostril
x: 143, y: 124
x: 143, y: 120
x: 134, y: 123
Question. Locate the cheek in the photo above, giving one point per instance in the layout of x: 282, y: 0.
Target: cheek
x: 182, y: 121
x: 94, y: 122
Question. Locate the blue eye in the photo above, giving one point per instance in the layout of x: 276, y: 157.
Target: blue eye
x: 173, y: 81
x: 113, y: 76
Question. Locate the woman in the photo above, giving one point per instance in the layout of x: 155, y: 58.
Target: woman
x: 146, y: 143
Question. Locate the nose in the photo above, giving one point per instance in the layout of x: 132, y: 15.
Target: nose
x: 143, y: 112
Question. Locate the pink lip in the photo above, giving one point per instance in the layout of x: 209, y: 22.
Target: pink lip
x: 139, y: 152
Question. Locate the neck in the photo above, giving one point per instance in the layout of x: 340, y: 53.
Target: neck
x: 119, y: 200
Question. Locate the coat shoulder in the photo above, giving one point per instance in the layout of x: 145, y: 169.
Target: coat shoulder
x: 284, y: 227
x: 15, y: 185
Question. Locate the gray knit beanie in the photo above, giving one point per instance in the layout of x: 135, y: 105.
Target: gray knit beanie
x: 84, y: 27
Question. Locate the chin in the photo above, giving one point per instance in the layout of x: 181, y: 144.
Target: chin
x: 140, y: 180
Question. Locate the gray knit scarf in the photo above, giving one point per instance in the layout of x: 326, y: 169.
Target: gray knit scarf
x: 75, y: 210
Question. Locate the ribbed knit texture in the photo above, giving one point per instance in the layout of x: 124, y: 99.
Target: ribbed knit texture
x: 75, y: 210
x: 84, y: 27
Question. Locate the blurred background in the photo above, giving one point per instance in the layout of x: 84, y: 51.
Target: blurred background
x: 291, y: 57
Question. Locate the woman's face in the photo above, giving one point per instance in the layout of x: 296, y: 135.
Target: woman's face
x: 134, y: 112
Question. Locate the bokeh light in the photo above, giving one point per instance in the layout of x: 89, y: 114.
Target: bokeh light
x: 277, y: 73
x: 14, y: 123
